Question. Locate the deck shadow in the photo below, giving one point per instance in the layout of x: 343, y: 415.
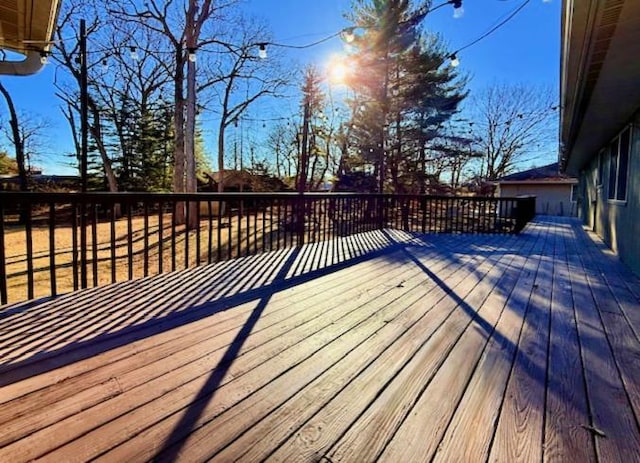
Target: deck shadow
x: 190, y: 299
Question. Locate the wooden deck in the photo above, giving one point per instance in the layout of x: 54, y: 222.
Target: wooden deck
x: 379, y: 347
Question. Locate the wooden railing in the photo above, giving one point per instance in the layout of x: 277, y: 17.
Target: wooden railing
x: 55, y: 243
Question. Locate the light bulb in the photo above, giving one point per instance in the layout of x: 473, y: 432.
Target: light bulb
x: 348, y: 35
x: 191, y: 55
x: 455, y: 62
x: 133, y: 53
x: 44, y: 59
x: 105, y: 65
x: 262, y: 51
x: 458, y: 10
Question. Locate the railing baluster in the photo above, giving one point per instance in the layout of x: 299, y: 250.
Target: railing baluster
x: 219, y: 231
x: 94, y: 243
x: 52, y: 249
x: 239, y: 234
x: 112, y: 238
x: 28, y: 229
x: 187, y: 229
x: 210, y: 232
x: 74, y: 243
x: 264, y: 236
x: 160, y: 236
x: 247, y: 214
x: 285, y: 222
x: 130, y: 240
x: 173, y: 235
x: 146, y: 239
x: 198, y: 238
x: 229, y: 231
x: 4, y: 297
x: 278, y: 224
x: 83, y: 242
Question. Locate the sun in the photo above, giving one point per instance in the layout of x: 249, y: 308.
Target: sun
x: 338, y: 70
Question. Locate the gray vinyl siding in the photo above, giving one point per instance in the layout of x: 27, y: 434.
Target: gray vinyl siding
x: 616, y: 222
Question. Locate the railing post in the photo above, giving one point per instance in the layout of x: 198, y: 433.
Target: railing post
x: 423, y: 210
x: 3, y: 261
x: 524, y: 212
x: 300, y: 212
x: 380, y: 212
x: 83, y: 243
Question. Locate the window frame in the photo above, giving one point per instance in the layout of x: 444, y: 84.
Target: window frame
x: 575, y: 193
x: 600, y: 167
x: 613, y: 184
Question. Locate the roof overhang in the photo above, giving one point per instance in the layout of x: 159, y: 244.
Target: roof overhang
x: 563, y: 181
x: 26, y: 28
x: 600, y: 76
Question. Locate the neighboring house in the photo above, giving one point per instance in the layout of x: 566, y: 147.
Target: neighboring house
x: 234, y: 181
x: 555, y: 192
x: 600, y: 96
x: 242, y: 180
x: 42, y: 182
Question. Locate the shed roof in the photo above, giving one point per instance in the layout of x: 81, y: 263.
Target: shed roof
x: 545, y: 174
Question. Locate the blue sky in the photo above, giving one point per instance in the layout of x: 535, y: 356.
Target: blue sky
x: 525, y: 50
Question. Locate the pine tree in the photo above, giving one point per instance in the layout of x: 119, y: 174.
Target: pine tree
x: 402, y: 90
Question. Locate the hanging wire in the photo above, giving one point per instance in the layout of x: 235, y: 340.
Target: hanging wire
x: 420, y: 14
x: 495, y: 28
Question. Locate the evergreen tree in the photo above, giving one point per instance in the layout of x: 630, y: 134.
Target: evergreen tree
x: 402, y: 91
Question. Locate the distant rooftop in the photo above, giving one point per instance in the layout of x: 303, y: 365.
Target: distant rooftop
x: 548, y: 173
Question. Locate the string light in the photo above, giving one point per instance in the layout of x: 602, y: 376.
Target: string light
x: 348, y: 34
x: 262, y: 50
x: 44, y: 58
x: 105, y: 65
x: 191, y: 54
x: 458, y: 10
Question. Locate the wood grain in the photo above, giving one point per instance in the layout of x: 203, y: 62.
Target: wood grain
x: 566, y: 437
x: 435, y: 347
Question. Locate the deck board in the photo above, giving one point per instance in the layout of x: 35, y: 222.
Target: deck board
x: 381, y: 346
x: 471, y: 429
x: 566, y: 437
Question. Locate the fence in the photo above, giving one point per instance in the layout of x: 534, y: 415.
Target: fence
x: 55, y: 243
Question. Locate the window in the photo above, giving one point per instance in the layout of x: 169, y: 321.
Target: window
x: 613, y: 167
x: 619, y: 166
x: 575, y: 191
x: 600, y: 172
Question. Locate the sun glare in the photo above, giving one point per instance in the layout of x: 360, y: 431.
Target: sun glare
x: 338, y: 70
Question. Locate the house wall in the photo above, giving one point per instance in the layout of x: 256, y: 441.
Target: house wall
x: 551, y: 199
x: 616, y: 222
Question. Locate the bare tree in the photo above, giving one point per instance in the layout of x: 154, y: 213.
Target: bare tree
x: 15, y: 135
x: 238, y: 77
x: 67, y: 54
x: 178, y: 25
x: 33, y: 136
x: 509, y: 122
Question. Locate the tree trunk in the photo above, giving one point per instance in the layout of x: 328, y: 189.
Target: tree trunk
x: 96, y: 131
x: 191, y: 183
x: 304, y: 151
x: 221, y: 141
x: 178, y: 128
x: 17, y: 140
